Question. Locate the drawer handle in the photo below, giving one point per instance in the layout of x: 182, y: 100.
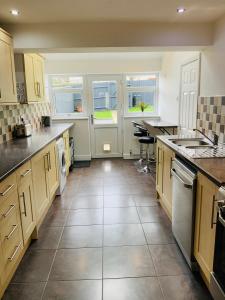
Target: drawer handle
x: 8, y: 211
x: 11, y: 232
x: 7, y: 190
x: 14, y: 253
x: 26, y: 173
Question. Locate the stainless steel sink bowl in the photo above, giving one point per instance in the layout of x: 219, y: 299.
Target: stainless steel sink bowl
x: 189, y: 142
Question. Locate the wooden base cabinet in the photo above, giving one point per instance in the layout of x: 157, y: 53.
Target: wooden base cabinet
x: 26, y: 199
x: 205, y: 228
x: 45, y: 179
x: 163, y: 176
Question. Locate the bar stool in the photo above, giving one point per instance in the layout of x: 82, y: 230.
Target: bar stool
x: 147, y: 140
x: 140, y: 132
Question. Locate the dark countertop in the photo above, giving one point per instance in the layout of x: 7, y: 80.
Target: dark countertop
x: 160, y: 124
x: 213, y: 168
x: 16, y: 152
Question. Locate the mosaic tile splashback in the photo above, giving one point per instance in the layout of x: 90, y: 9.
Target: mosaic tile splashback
x: 10, y: 116
x: 211, y: 116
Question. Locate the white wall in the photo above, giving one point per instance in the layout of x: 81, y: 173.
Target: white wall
x: 213, y: 64
x: 170, y: 84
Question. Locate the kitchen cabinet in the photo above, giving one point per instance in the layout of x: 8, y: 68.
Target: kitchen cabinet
x: 205, y: 228
x: 30, y: 77
x: 26, y: 200
x: 163, y: 176
x: 53, y: 176
x: 7, y: 75
x: 45, y: 179
x: 40, y: 166
x: 67, y: 150
x: 11, y: 241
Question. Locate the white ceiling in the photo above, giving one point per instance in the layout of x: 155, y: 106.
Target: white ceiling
x: 49, y: 11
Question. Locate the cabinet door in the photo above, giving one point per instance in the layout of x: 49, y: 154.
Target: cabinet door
x: 7, y: 79
x: 29, y: 77
x: 40, y: 181
x: 53, y: 181
x: 39, y: 76
x: 159, y: 168
x: 26, y: 197
x: 168, y: 156
x: 205, y: 228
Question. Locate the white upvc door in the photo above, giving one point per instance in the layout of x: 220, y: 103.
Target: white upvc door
x: 105, y: 115
x: 189, y: 92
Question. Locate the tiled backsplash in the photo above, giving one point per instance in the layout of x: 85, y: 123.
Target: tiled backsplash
x: 211, y: 116
x: 10, y: 115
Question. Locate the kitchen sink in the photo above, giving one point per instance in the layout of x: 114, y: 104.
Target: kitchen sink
x: 190, y: 142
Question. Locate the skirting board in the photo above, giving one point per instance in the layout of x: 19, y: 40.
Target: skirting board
x: 83, y: 157
x: 128, y: 156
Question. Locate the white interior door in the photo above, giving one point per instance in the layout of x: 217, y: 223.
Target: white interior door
x: 189, y: 94
x: 105, y: 108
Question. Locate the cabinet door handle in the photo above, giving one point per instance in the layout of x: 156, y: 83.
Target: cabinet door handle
x: 14, y: 253
x: 46, y: 162
x: 11, y: 232
x: 0, y: 93
x: 26, y: 173
x: 49, y: 160
x: 7, y: 190
x: 24, y: 204
x: 8, y: 211
x: 213, y: 210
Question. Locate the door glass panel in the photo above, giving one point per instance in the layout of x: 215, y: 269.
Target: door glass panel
x: 105, y: 102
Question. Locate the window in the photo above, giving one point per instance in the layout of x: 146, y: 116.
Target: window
x: 67, y: 93
x: 141, y: 93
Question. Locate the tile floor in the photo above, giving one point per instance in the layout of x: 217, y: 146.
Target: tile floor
x: 106, y: 238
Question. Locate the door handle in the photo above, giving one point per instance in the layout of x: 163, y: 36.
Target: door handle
x: 92, y: 119
x: 213, y: 210
x: 24, y: 204
x: 185, y: 184
x: 49, y: 161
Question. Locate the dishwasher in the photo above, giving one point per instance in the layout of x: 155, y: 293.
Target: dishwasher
x: 184, y: 179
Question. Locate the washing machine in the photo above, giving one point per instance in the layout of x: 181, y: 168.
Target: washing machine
x: 62, y: 165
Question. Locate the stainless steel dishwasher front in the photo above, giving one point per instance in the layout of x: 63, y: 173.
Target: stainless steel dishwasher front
x: 183, y: 208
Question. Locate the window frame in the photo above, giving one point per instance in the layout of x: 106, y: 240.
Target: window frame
x: 83, y: 91
x: 140, y: 89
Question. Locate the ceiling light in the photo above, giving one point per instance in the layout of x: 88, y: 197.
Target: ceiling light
x: 14, y: 12
x: 181, y: 10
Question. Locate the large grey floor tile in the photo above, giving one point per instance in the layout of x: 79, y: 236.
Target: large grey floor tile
x: 146, y: 288
x: 72, y: 264
x: 35, y: 266
x: 74, y: 290
x: 158, y: 233
x: 82, y: 236
x: 121, y: 215
x: 48, y: 238
x: 183, y: 287
x: 62, y: 202
x: 87, y: 202
x: 24, y: 291
x: 123, y: 234
x: 90, y: 189
x: 85, y: 217
x: 117, y: 189
x: 149, y: 200
x: 151, y: 214
x: 118, y: 201
x: 55, y: 217
x: 127, y: 261
x: 168, y: 260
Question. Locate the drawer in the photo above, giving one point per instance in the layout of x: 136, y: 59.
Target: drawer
x: 7, y: 225
x: 8, y: 206
x: 24, y: 172
x: 7, y: 187
x: 12, y: 258
x: 9, y: 245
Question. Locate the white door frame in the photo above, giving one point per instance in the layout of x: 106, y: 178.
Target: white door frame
x: 197, y: 57
x: 92, y: 126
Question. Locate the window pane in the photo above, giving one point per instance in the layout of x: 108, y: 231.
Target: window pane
x: 68, y: 102
x: 141, y: 100
x: 105, y: 102
x: 67, y: 81
x: 141, y: 80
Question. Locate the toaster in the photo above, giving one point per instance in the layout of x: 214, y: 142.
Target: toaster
x: 22, y: 130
